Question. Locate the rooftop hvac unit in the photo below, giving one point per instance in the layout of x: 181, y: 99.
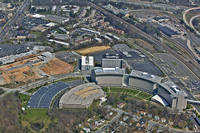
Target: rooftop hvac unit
x: 87, y: 60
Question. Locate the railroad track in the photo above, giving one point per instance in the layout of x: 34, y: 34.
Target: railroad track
x: 151, y: 39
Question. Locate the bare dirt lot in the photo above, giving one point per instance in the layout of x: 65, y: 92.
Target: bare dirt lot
x: 92, y: 49
x: 23, y: 74
x: 56, y: 67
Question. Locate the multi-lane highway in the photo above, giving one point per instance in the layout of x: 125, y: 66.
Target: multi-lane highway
x: 12, y: 21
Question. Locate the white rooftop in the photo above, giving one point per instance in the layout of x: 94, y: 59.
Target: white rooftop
x: 160, y: 100
x: 100, y: 70
x: 146, y: 76
x: 87, y: 60
x: 37, y: 16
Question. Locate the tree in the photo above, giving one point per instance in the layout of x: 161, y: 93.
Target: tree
x: 111, y: 100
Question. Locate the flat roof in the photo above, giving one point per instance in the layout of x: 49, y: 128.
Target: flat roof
x: 145, y: 75
x: 173, y: 88
x: 168, y: 31
x: 111, y: 56
x: 107, y: 71
x: 87, y: 60
x: 59, y: 42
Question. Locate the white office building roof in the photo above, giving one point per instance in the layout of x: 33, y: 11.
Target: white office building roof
x: 100, y: 70
x: 37, y: 16
x: 59, y: 42
x: 146, y: 76
x: 87, y: 60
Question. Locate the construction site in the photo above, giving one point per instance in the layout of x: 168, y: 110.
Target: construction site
x: 33, y: 68
x: 56, y: 67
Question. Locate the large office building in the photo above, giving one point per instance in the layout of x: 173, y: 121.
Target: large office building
x: 173, y: 95
x: 108, y: 76
x: 144, y: 81
x: 87, y: 63
x: 111, y: 60
x: 167, y: 93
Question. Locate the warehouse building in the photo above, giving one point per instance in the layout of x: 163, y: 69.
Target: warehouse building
x: 46, y: 56
x: 13, y: 58
x: 81, y: 96
x: 111, y: 60
x: 169, y: 32
x: 13, y: 53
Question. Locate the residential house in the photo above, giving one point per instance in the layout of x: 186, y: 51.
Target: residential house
x: 22, y: 34
x: 157, y: 118
x: 163, y: 120
x: 121, y: 104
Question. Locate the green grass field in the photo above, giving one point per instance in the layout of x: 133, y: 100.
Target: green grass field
x: 144, y: 95
x: 70, y: 79
x: 131, y: 93
x: 31, y: 116
x: 33, y: 89
x: 38, y: 34
x: 35, y: 115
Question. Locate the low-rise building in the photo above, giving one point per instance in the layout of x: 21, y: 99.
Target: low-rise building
x: 121, y: 104
x: 163, y: 120
x: 169, y: 32
x: 59, y: 42
x: 112, y: 29
x: 46, y: 56
x: 98, y: 40
x: 82, y: 41
x: 22, y: 34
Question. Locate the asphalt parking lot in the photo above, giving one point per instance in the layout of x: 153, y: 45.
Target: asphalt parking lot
x: 66, y: 56
x: 6, y: 50
x: 146, y: 66
x: 136, y: 59
x: 175, y: 65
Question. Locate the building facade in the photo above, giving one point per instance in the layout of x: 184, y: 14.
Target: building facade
x: 111, y: 61
x: 174, y: 96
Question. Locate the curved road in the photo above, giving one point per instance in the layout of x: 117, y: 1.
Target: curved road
x: 192, y: 26
x: 186, y: 11
x: 189, y: 43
